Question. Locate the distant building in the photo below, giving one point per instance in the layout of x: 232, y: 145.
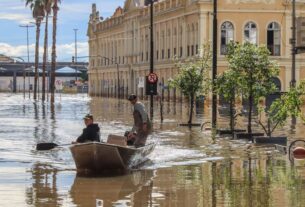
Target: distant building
x: 19, y: 76
x: 180, y: 28
x: 5, y: 59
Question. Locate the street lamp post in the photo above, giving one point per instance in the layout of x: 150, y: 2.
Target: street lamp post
x: 293, y: 45
x: 151, y: 2
x: 75, y: 31
x: 27, y: 26
x: 214, y: 71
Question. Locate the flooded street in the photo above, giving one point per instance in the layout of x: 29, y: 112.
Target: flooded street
x: 187, y: 168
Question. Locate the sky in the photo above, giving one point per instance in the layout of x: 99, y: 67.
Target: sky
x: 73, y: 14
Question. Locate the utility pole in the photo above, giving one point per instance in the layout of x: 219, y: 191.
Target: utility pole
x: 293, y: 54
x: 151, y: 54
x: 75, y: 56
x: 27, y: 26
x: 293, y: 45
x: 214, y: 71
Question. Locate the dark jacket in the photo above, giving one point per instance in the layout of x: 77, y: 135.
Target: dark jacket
x: 91, y: 133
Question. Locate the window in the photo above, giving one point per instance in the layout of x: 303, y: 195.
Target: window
x: 181, y: 51
x: 168, y: 53
x: 157, y: 55
x: 188, y: 50
x: 162, y: 54
x: 274, y: 38
x: 227, y: 35
x: 175, y: 52
x: 250, y: 33
x: 192, y: 50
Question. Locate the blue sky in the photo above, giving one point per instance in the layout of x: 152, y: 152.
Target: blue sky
x: 72, y: 14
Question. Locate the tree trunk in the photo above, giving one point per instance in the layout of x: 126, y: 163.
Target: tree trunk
x: 250, y: 110
x: 38, y: 21
x: 232, y: 121
x: 192, y: 108
x: 45, y: 51
x: 52, y: 85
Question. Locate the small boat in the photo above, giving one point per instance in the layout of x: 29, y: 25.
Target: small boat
x: 96, y: 158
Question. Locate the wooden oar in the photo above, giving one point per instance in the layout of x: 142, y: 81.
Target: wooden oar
x: 48, y: 146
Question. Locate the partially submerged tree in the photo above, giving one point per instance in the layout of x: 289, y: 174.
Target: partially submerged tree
x: 227, y: 87
x: 47, y: 5
x: 288, y: 105
x: 55, y: 9
x: 38, y: 14
x: 193, y: 77
x: 255, y: 70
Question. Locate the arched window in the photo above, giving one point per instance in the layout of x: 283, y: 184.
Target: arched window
x: 274, y: 38
x: 250, y: 33
x: 227, y: 35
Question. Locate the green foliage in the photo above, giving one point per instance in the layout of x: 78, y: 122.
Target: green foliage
x: 226, y: 84
x: 37, y: 8
x: 84, y: 75
x: 254, y: 68
x: 193, y: 77
x: 288, y: 105
x: 255, y: 71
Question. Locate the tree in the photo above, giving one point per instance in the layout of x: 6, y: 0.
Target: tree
x: 53, y: 64
x: 288, y: 105
x: 255, y: 71
x: 38, y: 14
x: 47, y: 5
x: 227, y: 86
x: 193, y: 77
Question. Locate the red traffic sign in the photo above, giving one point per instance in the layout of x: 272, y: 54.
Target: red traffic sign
x: 152, y: 78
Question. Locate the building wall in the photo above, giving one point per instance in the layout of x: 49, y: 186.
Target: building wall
x: 180, y: 27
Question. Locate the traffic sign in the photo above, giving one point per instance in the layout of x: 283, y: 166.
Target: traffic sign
x: 152, y: 78
x: 58, y: 85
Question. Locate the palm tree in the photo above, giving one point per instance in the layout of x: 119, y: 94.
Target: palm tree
x: 47, y: 8
x: 38, y: 14
x: 53, y: 65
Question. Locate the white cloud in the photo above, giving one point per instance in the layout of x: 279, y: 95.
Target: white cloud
x: 64, y: 51
x: 68, y: 50
x: 20, y: 18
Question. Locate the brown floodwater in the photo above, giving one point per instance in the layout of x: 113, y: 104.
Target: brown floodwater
x: 188, y: 167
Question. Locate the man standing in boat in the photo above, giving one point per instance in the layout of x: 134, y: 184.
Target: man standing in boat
x: 91, y: 133
x: 142, y: 125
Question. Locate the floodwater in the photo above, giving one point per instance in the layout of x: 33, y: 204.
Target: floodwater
x: 187, y: 168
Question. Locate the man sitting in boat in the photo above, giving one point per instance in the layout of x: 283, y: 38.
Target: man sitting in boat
x: 91, y: 133
x: 142, y: 126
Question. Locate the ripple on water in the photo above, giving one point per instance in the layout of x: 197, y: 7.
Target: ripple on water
x: 166, y: 156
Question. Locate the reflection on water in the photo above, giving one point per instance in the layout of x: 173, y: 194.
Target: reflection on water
x: 187, y: 168
x: 113, y: 190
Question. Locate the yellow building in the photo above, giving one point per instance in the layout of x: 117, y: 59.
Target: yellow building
x: 119, y: 46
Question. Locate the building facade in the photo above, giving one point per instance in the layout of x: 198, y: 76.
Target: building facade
x: 119, y: 46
